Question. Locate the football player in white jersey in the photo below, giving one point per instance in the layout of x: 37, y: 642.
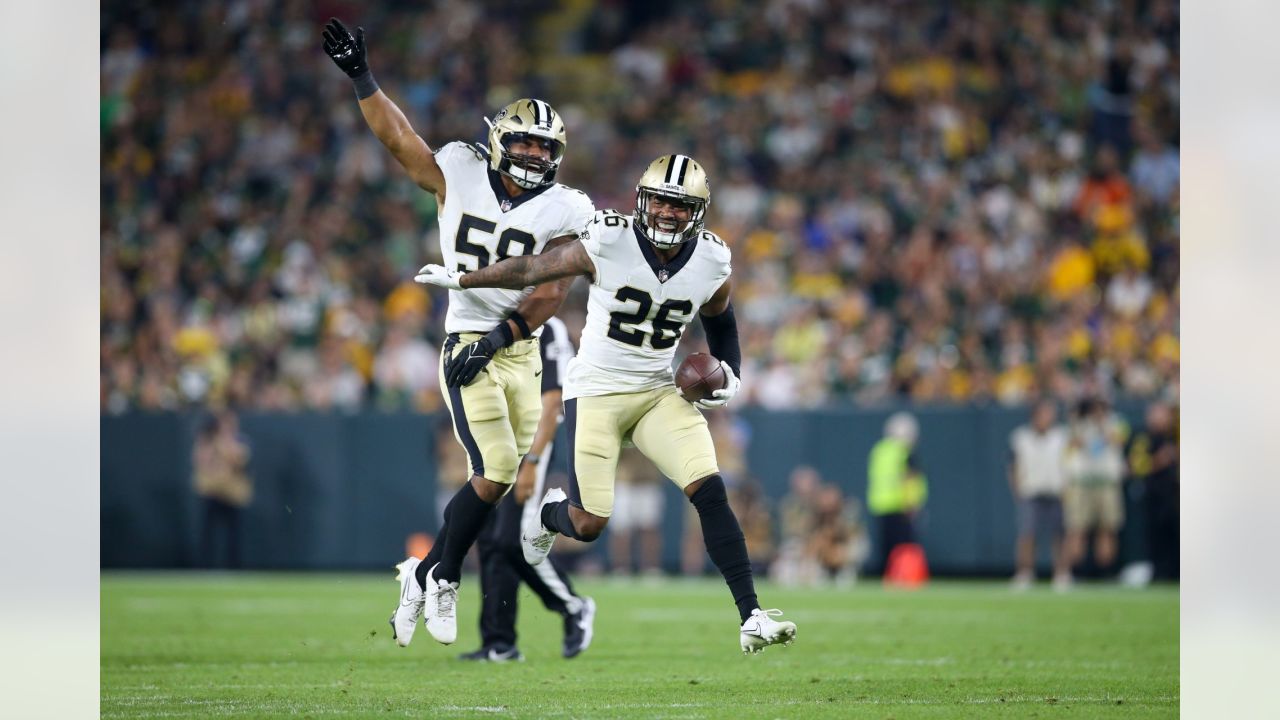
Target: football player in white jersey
x: 495, y: 202
x: 650, y: 274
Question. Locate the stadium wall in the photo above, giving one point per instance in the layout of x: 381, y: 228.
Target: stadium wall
x: 345, y: 491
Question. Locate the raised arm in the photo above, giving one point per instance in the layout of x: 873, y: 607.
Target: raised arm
x: 412, y: 152
x: 385, y: 119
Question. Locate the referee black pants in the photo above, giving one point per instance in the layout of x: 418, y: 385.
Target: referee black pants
x: 502, y: 568
x: 895, y: 529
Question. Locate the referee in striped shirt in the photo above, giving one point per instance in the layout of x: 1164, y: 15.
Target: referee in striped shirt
x: 502, y: 563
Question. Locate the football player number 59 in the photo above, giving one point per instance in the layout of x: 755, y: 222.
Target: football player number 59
x: 666, y: 332
x: 481, y: 252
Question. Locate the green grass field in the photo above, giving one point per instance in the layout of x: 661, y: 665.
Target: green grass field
x: 257, y: 646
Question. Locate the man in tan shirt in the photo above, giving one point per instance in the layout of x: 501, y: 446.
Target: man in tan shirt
x: 222, y: 481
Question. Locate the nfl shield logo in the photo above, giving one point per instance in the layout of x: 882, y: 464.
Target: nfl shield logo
x: 506, y: 205
x: 663, y: 275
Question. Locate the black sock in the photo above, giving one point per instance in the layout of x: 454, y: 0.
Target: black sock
x: 466, y: 520
x: 434, y: 555
x: 437, y: 548
x: 725, y: 543
x: 555, y: 516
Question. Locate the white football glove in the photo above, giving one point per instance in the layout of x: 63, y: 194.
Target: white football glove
x: 722, y: 396
x: 441, y: 276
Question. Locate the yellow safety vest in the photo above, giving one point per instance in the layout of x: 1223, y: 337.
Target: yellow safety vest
x: 891, y: 487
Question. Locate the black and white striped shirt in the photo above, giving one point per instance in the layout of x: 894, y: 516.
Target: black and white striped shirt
x: 557, y: 350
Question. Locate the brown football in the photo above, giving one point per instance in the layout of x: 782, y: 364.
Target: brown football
x: 699, y: 376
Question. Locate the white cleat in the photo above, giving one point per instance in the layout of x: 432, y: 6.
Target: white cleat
x: 761, y: 630
x: 404, y: 620
x: 536, y: 541
x: 441, y: 608
x: 1062, y: 583
x: 1022, y: 582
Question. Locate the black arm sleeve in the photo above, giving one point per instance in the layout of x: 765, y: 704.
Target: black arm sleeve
x: 722, y: 338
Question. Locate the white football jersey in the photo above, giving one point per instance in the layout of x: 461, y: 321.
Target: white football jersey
x: 637, y: 307
x: 480, y: 224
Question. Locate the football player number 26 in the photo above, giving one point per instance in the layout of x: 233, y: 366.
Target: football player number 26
x: 481, y: 252
x: 666, y: 332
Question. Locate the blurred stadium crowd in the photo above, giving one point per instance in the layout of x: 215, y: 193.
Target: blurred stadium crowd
x: 959, y: 202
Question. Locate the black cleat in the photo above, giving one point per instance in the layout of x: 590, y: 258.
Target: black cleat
x: 497, y: 654
x: 578, y: 628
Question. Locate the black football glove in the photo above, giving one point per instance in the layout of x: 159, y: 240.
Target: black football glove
x: 346, y: 51
x: 464, y: 366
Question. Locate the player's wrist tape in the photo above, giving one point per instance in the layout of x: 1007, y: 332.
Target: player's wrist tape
x: 532, y: 458
x: 365, y: 84
x: 501, y: 336
x: 722, y: 338
x: 521, y: 323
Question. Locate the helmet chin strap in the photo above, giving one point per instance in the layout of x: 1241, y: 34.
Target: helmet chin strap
x: 524, y: 182
x: 663, y: 239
